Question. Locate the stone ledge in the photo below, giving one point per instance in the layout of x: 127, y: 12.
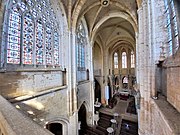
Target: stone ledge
x: 15, y: 123
x: 171, y: 115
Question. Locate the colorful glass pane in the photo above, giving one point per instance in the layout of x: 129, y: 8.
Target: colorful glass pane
x: 28, y: 34
x: 22, y: 6
x: 48, y: 41
x: 39, y: 8
x: 39, y: 43
x: 13, y: 46
x: 30, y: 2
x: 34, y: 12
x: 56, y: 48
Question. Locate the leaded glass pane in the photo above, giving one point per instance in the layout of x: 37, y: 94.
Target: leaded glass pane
x: 175, y: 26
x: 171, y: 27
x: 30, y: 2
x: 56, y: 48
x: 39, y: 43
x: 168, y: 18
x: 39, y: 8
x: 44, y: 18
x: 22, y: 6
x: 172, y: 8
x: 44, y: 4
x: 34, y: 12
x: 13, y: 46
x: 170, y: 47
x: 83, y: 57
x: 48, y: 41
x: 14, y: 1
x: 176, y: 43
x: 169, y: 33
x: 28, y: 34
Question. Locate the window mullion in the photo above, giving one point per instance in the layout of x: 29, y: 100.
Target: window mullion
x: 34, y: 43
x: 21, y: 40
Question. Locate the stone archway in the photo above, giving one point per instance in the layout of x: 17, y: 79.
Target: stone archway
x: 82, y: 120
x: 125, y: 82
x: 58, y: 126
x: 55, y: 128
x: 97, y: 93
x: 110, y: 89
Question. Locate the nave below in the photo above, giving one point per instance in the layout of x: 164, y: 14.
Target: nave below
x: 124, y: 114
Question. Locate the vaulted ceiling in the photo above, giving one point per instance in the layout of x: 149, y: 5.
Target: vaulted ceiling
x: 109, y: 22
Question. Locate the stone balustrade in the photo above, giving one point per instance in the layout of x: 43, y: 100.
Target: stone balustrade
x: 13, y: 122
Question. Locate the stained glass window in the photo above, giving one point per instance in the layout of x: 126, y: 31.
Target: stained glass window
x: 14, y: 30
x: 48, y: 41
x: 33, y: 37
x: 80, y: 48
x: 28, y: 36
x: 115, y: 60
x: 171, y: 26
x: 132, y: 60
x: 39, y: 43
x: 124, y: 60
x: 56, y: 48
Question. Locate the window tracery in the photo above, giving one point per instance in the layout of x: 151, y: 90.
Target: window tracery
x: 32, y: 33
x: 171, y: 25
x: 80, y: 48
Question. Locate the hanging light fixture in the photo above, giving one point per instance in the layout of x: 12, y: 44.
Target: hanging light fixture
x: 104, y: 3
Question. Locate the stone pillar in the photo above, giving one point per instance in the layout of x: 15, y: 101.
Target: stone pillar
x: 150, y: 36
x: 105, y: 71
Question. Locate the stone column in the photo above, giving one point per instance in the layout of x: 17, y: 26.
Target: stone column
x: 105, y: 71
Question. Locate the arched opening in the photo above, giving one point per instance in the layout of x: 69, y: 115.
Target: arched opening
x: 55, y: 128
x: 125, y: 82
x: 116, y: 84
x: 109, y: 84
x: 97, y: 91
x: 116, y: 80
x: 82, y: 120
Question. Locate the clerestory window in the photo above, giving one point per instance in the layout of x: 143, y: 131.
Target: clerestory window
x: 171, y: 25
x: 124, y: 60
x: 115, y: 60
x: 132, y: 60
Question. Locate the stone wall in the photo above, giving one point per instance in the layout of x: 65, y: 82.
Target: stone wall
x: 14, y: 84
x: 12, y: 122
x: 172, y: 67
x: 152, y: 34
x: 86, y: 97
x: 163, y: 112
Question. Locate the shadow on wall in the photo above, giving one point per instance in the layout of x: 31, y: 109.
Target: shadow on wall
x: 97, y: 91
x: 82, y: 120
